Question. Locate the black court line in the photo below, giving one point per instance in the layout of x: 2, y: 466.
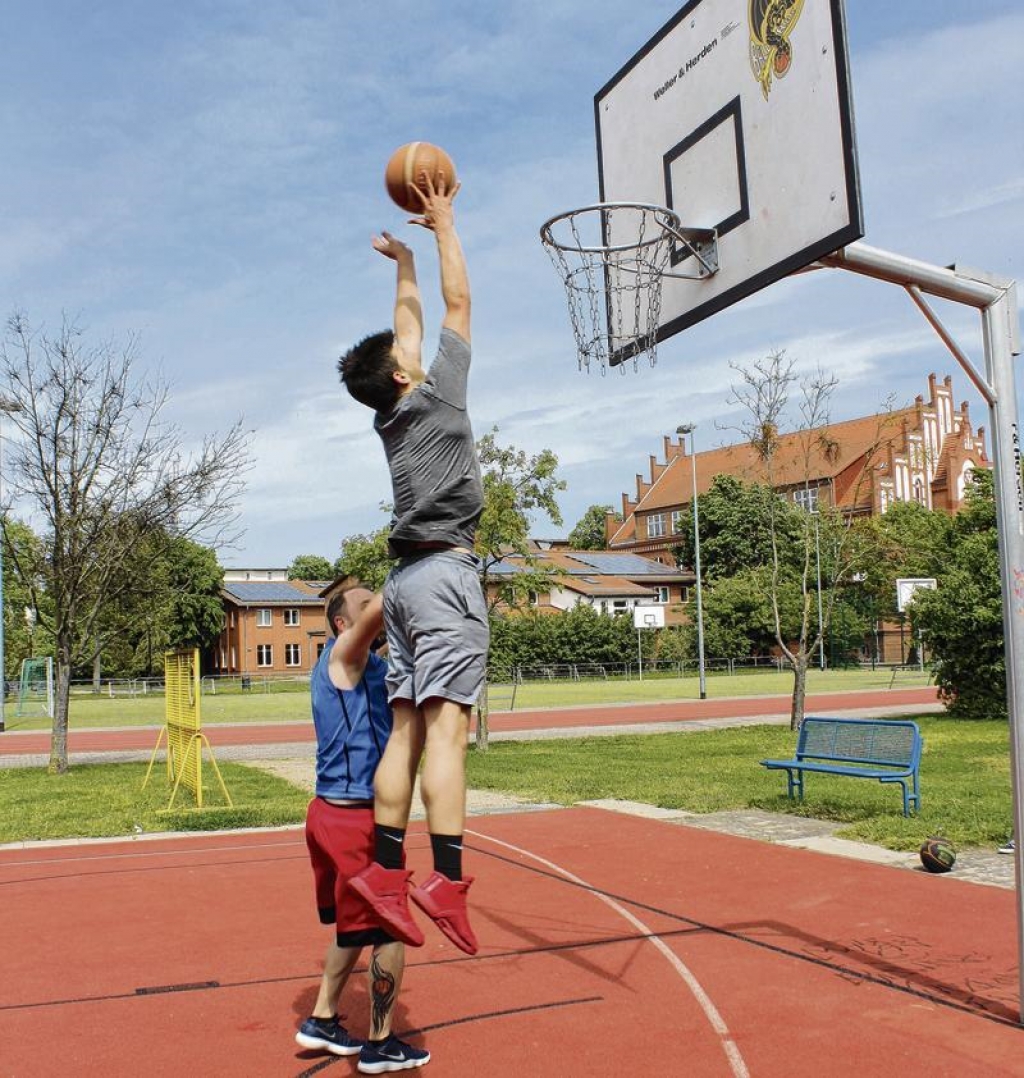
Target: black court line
x: 213, y: 985
x: 940, y: 993
x: 137, y: 869
x: 154, y: 851
x: 486, y: 1016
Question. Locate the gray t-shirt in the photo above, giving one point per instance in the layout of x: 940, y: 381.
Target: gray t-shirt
x: 428, y: 440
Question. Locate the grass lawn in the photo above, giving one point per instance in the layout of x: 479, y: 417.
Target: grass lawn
x: 965, y: 779
x: 965, y: 786
x: 108, y: 800
x: 292, y: 706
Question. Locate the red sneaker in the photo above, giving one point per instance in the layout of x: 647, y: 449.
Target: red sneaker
x: 444, y: 902
x: 385, y: 890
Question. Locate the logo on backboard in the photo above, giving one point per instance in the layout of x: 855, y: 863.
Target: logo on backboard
x: 771, y: 54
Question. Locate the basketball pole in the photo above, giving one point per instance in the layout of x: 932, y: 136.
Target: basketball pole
x: 996, y: 300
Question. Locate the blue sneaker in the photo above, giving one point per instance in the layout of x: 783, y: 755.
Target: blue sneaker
x: 329, y: 1035
x: 392, y: 1055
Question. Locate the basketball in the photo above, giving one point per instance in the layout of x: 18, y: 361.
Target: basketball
x: 406, y: 166
x: 937, y: 854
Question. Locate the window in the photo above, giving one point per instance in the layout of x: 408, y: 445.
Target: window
x: 320, y: 650
x: 291, y: 616
x: 264, y: 654
x: 655, y: 525
x: 533, y: 598
x: 663, y: 594
x: 679, y: 519
x: 807, y: 499
x: 619, y: 606
x: 292, y: 656
x: 263, y: 617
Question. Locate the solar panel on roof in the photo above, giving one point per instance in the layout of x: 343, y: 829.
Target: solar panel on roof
x: 622, y: 564
x: 269, y: 592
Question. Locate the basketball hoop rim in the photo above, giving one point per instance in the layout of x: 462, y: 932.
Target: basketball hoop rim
x: 666, y: 219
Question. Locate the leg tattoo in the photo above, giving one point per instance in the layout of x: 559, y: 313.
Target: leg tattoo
x: 382, y: 991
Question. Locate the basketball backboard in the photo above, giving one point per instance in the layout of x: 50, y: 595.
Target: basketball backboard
x: 906, y: 586
x: 737, y: 115
x: 648, y: 616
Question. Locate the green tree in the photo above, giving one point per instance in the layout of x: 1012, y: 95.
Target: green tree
x: 24, y: 637
x: 962, y: 620
x: 909, y: 541
x: 589, y: 533
x: 517, y: 487
x: 735, y: 520
x: 310, y: 567
x: 739, y: 618
x: 366, y: 557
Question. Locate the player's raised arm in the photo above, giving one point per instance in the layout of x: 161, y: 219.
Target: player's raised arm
x: 408, y: 305
x: 439, y: 217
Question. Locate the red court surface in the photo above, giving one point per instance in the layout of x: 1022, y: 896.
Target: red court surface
x: 610, y: 945
x: 14, y: 742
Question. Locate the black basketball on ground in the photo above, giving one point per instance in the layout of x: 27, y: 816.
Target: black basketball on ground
x: 938, y: 854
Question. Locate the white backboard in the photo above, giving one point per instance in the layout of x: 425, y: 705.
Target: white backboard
x: 740, y: 126
x: 648, y: 617
x: 907, y: 585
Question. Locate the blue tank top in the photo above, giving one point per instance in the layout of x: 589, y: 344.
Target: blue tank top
x: 352, y: 728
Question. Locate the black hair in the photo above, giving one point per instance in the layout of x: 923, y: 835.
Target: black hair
x: 368, y: 371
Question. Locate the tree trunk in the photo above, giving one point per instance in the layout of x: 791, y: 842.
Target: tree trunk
x: 796, y: 715
x: 62, y: 692
x: 97, y: 672
x: 482, y: 711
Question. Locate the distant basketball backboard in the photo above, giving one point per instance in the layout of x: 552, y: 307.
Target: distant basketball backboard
x: 648, y: 617
x: 737, y: 116
x: 906, y: 586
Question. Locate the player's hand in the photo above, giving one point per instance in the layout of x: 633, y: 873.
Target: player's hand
x: 391, y: 247
x: 437, y: 203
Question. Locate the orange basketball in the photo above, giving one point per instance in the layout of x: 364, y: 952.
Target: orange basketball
x: 407, y: 165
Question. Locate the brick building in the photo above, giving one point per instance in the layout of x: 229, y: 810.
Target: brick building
x: 923, y: 453
x: 272, y: 625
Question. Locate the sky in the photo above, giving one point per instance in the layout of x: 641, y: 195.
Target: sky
x: 207, y: 175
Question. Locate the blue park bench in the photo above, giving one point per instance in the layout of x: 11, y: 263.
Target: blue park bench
x: 861, y: 748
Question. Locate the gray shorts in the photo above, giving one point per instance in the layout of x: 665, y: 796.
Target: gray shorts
x: 436, y: 619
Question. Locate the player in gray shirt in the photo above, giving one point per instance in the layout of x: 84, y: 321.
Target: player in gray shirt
x: 434, y: 608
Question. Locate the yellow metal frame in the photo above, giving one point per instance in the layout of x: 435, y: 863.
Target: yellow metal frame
x: 183, y: 728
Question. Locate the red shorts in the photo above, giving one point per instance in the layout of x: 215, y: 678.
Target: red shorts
x: 340, y: 842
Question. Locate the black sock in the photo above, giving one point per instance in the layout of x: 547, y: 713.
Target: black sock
x: 447, y: 850
x: 387, y: 845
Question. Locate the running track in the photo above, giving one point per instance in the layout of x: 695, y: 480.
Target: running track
x: 753, y: 707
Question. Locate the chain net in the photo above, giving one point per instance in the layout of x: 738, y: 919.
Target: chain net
x: 611, y: 259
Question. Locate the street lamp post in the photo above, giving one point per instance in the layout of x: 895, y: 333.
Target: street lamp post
x: 689, y: 428
x: 7, y: 407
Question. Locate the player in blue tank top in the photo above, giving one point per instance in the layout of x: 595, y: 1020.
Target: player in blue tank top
x: 353, y: 722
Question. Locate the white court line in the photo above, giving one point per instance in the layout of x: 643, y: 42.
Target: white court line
x: 717, y: 1023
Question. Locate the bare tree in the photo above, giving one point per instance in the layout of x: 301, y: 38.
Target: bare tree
x: 104, y: 474
x: 826, y: 552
